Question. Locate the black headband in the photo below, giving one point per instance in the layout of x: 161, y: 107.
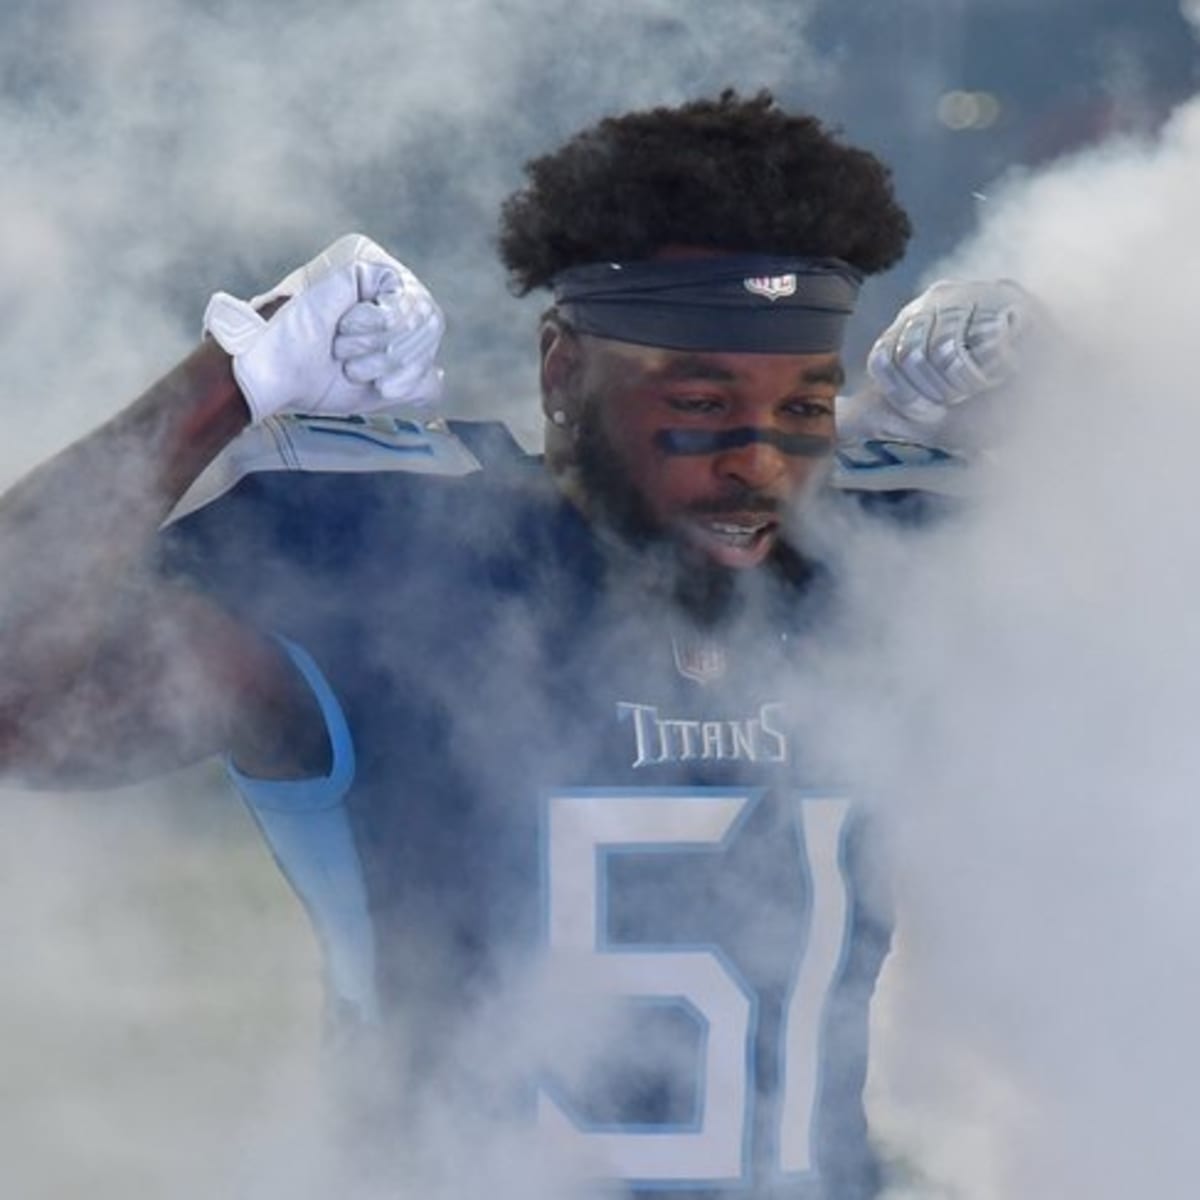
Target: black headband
x: 743, y: 303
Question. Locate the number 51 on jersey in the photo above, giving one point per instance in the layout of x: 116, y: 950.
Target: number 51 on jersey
x: 584, y: 827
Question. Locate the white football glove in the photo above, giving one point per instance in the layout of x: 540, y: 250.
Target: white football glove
x: 358, y: 332
x: 954, y: 341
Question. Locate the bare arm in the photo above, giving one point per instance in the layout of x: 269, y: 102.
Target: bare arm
x: 105, y: 672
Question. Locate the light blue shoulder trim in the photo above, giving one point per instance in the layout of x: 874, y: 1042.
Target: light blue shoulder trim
x: 379, y: 442
x: 891, y: 465
x: 306, y: 795
x: 307, y: 826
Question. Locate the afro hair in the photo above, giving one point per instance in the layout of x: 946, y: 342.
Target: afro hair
x: 735, y: 173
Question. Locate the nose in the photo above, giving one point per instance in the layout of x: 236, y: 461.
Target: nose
x: 756, y: 465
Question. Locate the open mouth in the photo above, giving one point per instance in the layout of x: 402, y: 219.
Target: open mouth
x: 733, y: 540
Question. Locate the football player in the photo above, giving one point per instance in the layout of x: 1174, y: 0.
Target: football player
x: 505, y: 718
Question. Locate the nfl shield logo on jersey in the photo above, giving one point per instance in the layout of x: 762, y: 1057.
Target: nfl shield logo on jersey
x: 698, y: 658
x: 771, y: 287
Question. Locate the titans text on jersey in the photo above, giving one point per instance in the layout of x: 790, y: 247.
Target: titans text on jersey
x: 661, y: 739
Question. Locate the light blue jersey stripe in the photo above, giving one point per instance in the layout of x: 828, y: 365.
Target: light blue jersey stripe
x: 307, y: 826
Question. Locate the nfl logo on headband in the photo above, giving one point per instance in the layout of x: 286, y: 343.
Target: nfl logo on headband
x: 732, y: 303
x: 771, y: 287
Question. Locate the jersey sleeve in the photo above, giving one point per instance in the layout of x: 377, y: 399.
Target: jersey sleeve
x: 339, y: 445
x: 303, y: 529
x: 903, y: 482
x: 891, y: 465
x: 297, y: 511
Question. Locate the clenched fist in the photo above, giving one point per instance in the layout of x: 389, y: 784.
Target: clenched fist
x: 357, y: 331
x: 954, y: 341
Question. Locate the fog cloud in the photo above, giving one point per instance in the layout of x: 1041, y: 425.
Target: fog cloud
x: 1040, y: 651
x: 1030, y: 728
x: 153, y: 152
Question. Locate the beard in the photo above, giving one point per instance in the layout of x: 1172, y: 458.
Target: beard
x: 611, y: 496
x: 707, y: 591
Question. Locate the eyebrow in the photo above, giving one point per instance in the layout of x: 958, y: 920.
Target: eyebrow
x: 832, y: 372
x: 696, y: 367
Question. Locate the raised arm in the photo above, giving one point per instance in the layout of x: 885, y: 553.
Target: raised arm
x: 106, y: 672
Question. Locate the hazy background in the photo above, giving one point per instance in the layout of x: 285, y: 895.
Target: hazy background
x: 156, y: 994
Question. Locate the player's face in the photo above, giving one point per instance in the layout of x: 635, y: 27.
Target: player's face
x: 714, y: 446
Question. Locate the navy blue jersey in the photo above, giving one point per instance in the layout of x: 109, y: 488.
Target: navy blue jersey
x: 544, y: 763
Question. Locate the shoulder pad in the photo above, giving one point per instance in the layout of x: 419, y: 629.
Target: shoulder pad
x: 360, y: 444
x: 884, y: 465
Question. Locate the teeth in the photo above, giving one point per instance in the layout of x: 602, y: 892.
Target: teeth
x: 738, y: 535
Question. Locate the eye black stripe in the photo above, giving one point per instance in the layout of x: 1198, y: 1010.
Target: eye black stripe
x: 713, y: 441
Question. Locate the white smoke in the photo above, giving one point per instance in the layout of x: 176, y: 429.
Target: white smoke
x: 158, y: 999
x: 1191, y: 13
x: 1030, y: 731
x: 152, y: 152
